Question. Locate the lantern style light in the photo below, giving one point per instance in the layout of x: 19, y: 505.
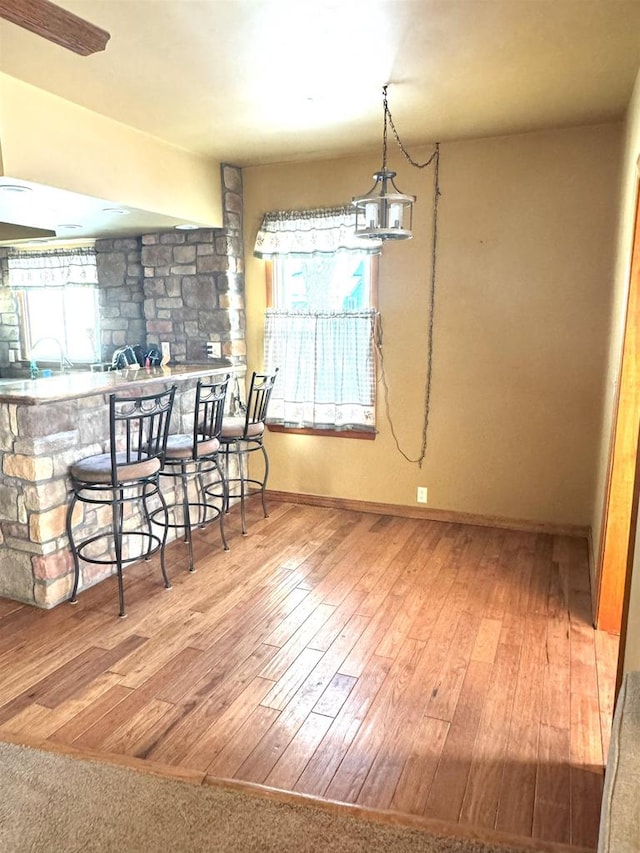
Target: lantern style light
x: 384, y: 213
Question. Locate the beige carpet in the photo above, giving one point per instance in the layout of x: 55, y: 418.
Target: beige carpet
x: 56, y: 803
x: 620, y: 824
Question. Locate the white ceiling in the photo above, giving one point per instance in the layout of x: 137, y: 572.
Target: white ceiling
x: 257, y: 81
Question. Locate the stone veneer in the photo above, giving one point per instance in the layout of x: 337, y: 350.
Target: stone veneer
x: 36, y: 451
x: 121, y: 294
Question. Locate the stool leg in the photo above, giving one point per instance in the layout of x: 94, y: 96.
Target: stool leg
x: 72, y: 548
x: 117, y: 512
x: 164, y: 523
x: 186, y: 514
x: 266, y: 477
x: 165, y: 531
x: 225, y: 501
x: 201, y: 493
x: 147, y: 517
x: 227, y: 454
x: 241, y: 465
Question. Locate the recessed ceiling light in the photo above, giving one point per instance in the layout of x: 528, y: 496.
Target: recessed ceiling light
x: 15, y: 188
x: 187, y: 227
x: 116, y: 211
x: 69, y: 225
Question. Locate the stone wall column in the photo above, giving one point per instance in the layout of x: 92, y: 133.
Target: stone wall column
x: 121, y: 294
x: 194, y: 284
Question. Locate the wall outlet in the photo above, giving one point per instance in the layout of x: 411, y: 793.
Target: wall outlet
x: 421, y: 496
x: 214, y: 349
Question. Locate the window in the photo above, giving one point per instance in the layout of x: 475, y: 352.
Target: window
x: 339, y: 282
x: 321, y: 322
x: 58, y: 297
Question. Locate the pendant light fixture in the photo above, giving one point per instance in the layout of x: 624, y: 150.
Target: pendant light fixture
x: 384, y: 213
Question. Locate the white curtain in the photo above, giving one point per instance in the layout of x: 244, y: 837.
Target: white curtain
x: 326, y: 377
x: 326, y: 359
x: 305, y: 232
x: 53, y: 268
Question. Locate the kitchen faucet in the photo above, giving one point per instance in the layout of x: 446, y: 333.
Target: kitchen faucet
x: 64, y: 361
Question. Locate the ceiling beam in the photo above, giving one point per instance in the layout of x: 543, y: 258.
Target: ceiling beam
x: 55, y: 24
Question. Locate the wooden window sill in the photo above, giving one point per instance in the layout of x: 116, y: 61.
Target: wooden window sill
x: 333, y: 433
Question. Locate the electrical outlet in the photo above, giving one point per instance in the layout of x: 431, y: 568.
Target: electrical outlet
x: 421, y: 496
x: 214, y: 349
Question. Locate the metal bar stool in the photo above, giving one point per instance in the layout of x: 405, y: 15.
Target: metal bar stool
x: 138, y: 430
x: 243, y: 435
x: 190, y: 457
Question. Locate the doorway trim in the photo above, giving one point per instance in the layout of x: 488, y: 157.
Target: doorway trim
x: 617, y: 533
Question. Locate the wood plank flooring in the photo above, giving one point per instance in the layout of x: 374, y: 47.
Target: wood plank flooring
x: 426, y: 668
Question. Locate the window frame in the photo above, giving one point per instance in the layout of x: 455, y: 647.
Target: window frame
x: 366, y: 435
x: 26, y: 343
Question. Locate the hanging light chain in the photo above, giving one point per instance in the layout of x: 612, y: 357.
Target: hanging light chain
x: 407, y: 156
x: 387, y: 115
x: 435, y: 159
x: 432, y: 300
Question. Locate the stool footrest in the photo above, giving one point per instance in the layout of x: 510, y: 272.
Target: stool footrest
x: 210, y: 514
x: 140, y: 534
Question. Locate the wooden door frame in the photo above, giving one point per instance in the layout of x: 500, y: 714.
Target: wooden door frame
x: 617, y: 532
x: 628, y: 578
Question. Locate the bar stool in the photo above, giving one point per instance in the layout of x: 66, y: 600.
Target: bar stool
x: 191, y: 456
x: 243, y: 435
x: 138, y: 430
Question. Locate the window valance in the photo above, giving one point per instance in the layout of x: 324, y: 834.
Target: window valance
x: 307, y: 232
x: 52, y: 269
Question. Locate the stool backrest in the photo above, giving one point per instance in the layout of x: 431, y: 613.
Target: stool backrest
x: 138, y: 427
x: 258, y: 399
x: 210, y: 402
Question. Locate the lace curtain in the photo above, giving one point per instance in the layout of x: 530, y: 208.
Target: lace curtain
x: 53, y: 268
x: 304, y: 232
x: 327, y: 368
x: 326, y: 359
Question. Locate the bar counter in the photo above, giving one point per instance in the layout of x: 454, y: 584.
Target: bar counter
x: 69, y: 386
x: 46, y: 424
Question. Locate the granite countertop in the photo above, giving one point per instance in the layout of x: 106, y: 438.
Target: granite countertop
x: 70, y: 386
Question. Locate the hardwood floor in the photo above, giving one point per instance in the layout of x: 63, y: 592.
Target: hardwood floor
x: 423, y: 667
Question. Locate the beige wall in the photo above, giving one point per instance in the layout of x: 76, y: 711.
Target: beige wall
x: 629, y: 185
x: 526, y: 238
